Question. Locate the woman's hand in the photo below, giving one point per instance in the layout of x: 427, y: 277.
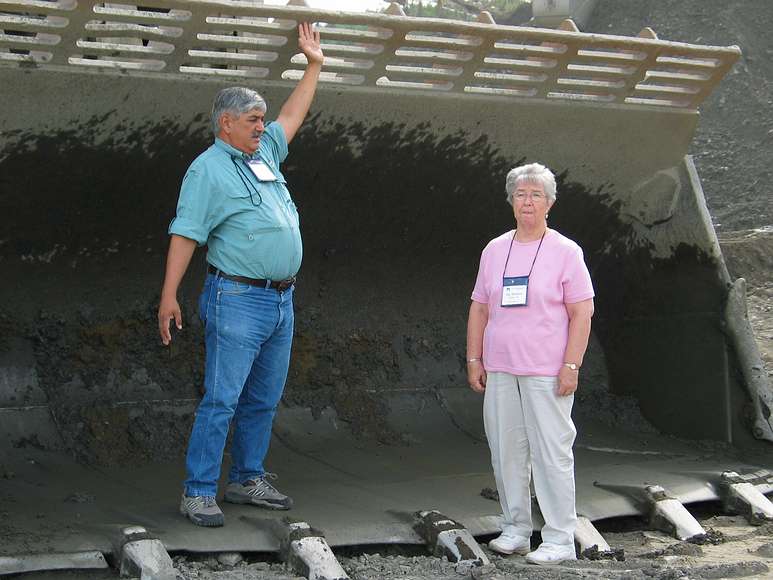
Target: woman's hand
x: 567, y: 381
x: 476, y: 325
x: 476, y: 376
x: 579, y: 314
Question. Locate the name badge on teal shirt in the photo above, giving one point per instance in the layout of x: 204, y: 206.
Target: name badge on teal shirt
x: 515, y: 290
x: 261, y: 170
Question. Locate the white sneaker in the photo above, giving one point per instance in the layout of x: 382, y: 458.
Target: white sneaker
x: 507, y: 544
x: 551, y: 554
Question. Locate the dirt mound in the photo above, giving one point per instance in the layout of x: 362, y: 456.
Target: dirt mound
x: 734, y: 142
x: 749, y: 255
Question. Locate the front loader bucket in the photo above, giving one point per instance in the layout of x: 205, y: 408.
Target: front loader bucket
x: 398, y: 174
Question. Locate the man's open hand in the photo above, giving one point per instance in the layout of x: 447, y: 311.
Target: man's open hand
x: 308, y: 42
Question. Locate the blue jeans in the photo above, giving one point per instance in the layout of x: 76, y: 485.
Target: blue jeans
x: 248, y: 335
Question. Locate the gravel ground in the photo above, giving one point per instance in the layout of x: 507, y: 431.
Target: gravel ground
x: 733, y: 149
x: 742, y: 551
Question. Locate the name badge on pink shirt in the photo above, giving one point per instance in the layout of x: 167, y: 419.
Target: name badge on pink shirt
x: 515, y: 290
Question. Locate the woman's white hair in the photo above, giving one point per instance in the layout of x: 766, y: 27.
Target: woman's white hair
x: 531, y: 173
x: 237, y: 101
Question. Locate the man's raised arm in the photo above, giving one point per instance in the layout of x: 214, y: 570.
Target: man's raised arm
x: 294, y: 110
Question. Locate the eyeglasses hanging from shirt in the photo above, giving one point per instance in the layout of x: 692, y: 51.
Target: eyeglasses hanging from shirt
x: 259, y: 170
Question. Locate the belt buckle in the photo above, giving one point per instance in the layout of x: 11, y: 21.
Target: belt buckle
x: 285, y: 284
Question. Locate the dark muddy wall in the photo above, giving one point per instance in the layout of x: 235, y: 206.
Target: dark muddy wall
x: 397, y: 195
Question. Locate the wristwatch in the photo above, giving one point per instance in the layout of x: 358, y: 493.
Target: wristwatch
x: 572, y: 366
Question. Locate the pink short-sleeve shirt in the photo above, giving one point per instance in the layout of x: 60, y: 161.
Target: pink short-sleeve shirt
x: 531, y: 339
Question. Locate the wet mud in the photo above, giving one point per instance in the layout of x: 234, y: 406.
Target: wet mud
x: 390, y: 214
x: 111, y: 391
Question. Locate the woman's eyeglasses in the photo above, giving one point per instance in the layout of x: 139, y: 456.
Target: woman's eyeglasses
x: 534, y: 196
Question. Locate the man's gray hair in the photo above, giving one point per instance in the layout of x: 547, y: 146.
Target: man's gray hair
x: 531, y: 173
x: 237, y: 101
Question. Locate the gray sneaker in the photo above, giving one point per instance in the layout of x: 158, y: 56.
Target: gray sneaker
x: 258, y: 492
x: 202, y: 511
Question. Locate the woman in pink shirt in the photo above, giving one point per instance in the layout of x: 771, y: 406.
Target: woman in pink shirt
x: 527, y: 333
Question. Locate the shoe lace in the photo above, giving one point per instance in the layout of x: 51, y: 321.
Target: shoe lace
x: 262, y: 481
x: 269, y: 475
x: 203, y: 500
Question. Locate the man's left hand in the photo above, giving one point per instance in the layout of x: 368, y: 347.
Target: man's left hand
x: 308, y: 42
x: 567, y: 381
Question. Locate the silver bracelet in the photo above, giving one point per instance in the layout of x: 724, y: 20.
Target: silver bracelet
x: 472, y: 360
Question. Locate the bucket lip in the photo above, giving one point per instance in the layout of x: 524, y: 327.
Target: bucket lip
x: 427, y: 57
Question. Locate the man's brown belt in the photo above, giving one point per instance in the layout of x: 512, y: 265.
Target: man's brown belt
x: 279, y: 285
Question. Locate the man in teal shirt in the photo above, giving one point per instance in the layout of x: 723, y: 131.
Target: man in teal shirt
x: 235, y: 200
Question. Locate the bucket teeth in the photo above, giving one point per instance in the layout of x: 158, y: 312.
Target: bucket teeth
x: 447, y: 537
x: 592, y: 545
x: 146, y: 558
x: 307, y: 552
x: 666, y: 512
x: 669, y: 515
x: 744, y: 495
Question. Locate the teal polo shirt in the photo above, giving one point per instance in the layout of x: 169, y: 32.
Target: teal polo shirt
x: 250, y: 227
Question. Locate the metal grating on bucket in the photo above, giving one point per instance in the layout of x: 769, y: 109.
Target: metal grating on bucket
x: 236, y: 39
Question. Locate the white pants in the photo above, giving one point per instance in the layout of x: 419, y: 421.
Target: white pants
x: 529, y: 427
